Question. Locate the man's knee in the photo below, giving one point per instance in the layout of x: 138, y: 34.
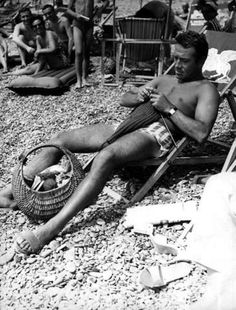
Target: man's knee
x: 59, y: 139
x: 105, y: 159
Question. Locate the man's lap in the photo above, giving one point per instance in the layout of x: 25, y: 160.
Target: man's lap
x: 157, y: 131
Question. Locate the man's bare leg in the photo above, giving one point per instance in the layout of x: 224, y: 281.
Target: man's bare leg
x: 78, y: 41
x: 86, y: 57
x: 85, y: 139
x: 135, y: 145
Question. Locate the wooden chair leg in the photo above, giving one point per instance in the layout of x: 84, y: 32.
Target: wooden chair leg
x: 230, y: 157
x: 159, y: 172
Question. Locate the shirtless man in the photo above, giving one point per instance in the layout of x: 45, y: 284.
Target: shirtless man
x: 187, y: 101
x: 82, y: 13
x: 61, y: 26
x: 24, y: 37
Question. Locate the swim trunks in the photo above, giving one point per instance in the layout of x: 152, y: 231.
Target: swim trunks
x: 160, y: 133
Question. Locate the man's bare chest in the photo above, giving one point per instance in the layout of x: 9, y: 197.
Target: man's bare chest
x: 184, y: 97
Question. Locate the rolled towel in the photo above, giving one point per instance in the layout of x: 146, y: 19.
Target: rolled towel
x: 142, y: 116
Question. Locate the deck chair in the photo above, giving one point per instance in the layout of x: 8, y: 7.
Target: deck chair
x: 225, y: 81
x: 138, y: 41
x: 220, y: 67
x: 133, y: 29
x: 222, y: 53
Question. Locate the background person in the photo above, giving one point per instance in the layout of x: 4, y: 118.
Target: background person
x: 24, y: 37
x: 61, y: 26
x: 3, y: 50
x: 209, y: 8
x: 49, y: 54
x: 82, y: 13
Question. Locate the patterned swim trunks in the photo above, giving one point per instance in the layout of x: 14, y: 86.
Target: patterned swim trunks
x: 162, y: 136
x: 160, y: 133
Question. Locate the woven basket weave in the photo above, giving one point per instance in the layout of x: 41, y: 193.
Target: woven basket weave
x: 44, y: 205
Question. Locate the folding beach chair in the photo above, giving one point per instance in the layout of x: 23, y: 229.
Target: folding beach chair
x: 223, y: 73
x: 220, y: 67
x: 225, y: 80
x: 131, y: 30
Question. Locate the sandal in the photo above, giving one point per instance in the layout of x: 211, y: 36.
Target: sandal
x: 157, y: 276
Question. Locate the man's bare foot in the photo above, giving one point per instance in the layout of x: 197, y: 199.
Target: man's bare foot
x: 220, y: 292
x: 78, y: 85
x: 87, y: 83
x: 29, y: 242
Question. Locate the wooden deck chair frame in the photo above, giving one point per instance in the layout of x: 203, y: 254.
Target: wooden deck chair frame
x: 174, y: 158
x: 135, y: 37
x: 132, y: 29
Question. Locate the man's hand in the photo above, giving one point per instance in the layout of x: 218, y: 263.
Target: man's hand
x: 144, y: 93
x: 161, y: 103
x: 36, y: 54
x: 30, y: 50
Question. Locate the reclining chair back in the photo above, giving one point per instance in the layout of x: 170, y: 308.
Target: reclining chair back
x: 140, y: 28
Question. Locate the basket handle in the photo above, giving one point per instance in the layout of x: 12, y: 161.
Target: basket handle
x: 23, y: 156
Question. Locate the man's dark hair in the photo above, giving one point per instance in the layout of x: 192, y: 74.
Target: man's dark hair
x: 196, y: 40
x: 39, y: 17
x: 23, y: 10
x: 47, y: 6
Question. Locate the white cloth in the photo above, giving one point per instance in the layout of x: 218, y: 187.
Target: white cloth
x: 213, y: 240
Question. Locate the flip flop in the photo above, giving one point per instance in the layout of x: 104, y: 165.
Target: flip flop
x: 157, y: 276
x: 34, y: 243
x: 161, y: 245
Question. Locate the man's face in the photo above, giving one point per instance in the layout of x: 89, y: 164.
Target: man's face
x: 49, y: 14
x: 38, y: 27
x: 186, y: 66
x: 25, y: 17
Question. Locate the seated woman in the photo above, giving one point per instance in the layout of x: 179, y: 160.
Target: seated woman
x: 49, y: 54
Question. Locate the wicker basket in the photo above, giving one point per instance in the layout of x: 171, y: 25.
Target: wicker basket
x: 44, y: 205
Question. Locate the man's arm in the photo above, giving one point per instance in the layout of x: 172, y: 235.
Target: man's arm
x: 70, y: 11
x: 16, y: 38
x: 52, y: 45
x: 206, y: 111
x: 135, y: 96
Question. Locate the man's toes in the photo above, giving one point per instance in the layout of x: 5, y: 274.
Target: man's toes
x: 23, y: 244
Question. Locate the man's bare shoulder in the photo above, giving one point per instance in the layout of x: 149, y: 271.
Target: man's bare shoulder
x: 64, y: 20
x: 162, y: 79
x: 207, y: 85
x: 20, y: 26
